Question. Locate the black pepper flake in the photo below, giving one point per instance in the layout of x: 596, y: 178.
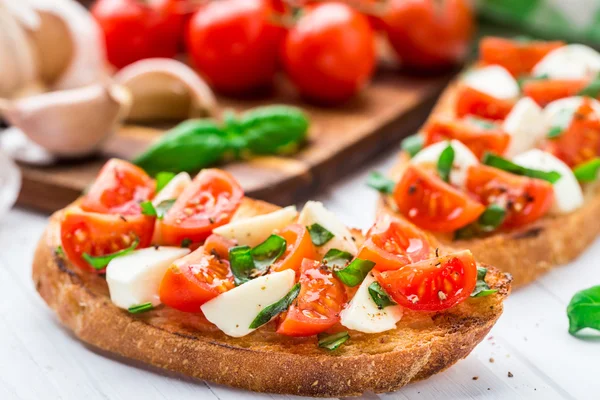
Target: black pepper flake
x: 211, y: 220
x: 475, y: 378
x: 156, y: 247
x: 510, y: 375
x: 437, y: 251
x: 123, y: 218
x: 412, y: 189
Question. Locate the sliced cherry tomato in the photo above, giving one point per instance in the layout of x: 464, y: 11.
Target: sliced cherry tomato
x: 479, y: 136
x: 474, y: 102
x: 431, y: 285
x: 580, y: 142
x: 219, y: 246
x: 429, y: 33
x: 195, y: 279
x: 524, y: 199
x: 135, y: 30
x: 299, y: 247
x: 517, y: 56
x: 208, y: 202
x: 432, y: 204
x: 318, y: 305
x: 119, y: 189
x: 393, y: 243
x: 235, y: 44
x: 330, y: 53
x: 545, y: 91
x: 101, y: 234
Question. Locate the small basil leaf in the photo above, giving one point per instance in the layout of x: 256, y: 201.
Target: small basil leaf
x: 444, y: 164
x: 140, y: 308
x: 332, y: 342
x: 336, y: 259
x: 355, y: 272
x: 491, y: 218
x: 100, y: 262
x: 468, y: 232
x: 502, y: 163
x: 187, y: 242
x: 591, y: 90
x: 379, y: 296
x: 481, y: 287
x: 266, y: 253
x: 380, y: 182
x: 560, y: 123
x: 413, y: 144
x: 319, y: 235
x: 241, y: 264
x: 162, y: 179
x: 148, y: 208
x: 522, y: 81
x: 59, y: 251
x: 584, y: 310
x: 588, y: 171
x: 269, y: 312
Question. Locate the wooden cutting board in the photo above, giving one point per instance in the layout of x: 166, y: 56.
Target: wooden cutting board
x: 340, y: 139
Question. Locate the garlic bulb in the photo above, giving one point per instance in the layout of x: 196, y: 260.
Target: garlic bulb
x: 20, y: 148
x: 10, y: 183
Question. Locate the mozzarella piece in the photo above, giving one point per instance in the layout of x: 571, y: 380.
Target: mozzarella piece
x: 173, y: 189
x: 362, y: 313
x: 233, y: 311
x: 134, y: 278
x: 568, y: 195
x: 463, y: 159
x: 553, y: 111
x: 315, y: 213
x: 574, y: 61
x: 526, y: 126
x: 255, y: 230
x: 493, y: 80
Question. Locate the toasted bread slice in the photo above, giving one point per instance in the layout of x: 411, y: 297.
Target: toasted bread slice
x: 422, y: 344
x: 527, y: 252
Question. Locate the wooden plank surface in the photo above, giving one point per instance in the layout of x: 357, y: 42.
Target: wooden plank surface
x: 40, y: 360
x: 340, y: 139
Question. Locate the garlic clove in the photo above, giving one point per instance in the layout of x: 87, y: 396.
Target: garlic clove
x: 20, y: 148
x: 165, y: 89
x: 10, y: 183
x: 69, y: 123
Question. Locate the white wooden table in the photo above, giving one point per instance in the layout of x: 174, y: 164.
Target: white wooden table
x: 41, y: 360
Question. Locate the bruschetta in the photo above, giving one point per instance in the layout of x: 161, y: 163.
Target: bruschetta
x: 193, y: 277
x: 506, y: 166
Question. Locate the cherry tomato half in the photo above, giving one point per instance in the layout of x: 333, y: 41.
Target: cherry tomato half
x: 393, y: 243
x: 119, y: 189
x: 318, y: 305
x: 208, y: 202
x: 432, y: 285
x: 299, y: 247
x: 473, y: 102
x: 433, y: 204
x: 524, y: 199
x: 330, y: 53
x: 545, y: 91
x: 195, y: 279
x: 101, y: 234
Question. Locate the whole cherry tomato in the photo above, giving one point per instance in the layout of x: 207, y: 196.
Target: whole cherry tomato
x: 235, y: 44
x: 135, y: 30
x: 330, y: 53
x: 429, y: 34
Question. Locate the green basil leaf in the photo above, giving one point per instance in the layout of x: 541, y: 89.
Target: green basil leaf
x: 482, y: 123
x: 163, y: 179
x: 187, y: 242
x: 481, y: 287
x: 502, y: 163
x: 148, y: 208
x: 241, y: 264
x: 100, y: 262
x: 560, y: 123
x: 521, y: 81
x: 413, y: 144
x: 269, y: 312
x: 584, y: 310
x: 319, y: 235
x: 379, y: 296
x: 380, y: 182
x: 266, y: 253
x: 336, y: 259
x: 588, y: 171
x: 444, y: 164
x: 467, y: 232
x: 491, y: 218
x: 591, y: 90
x: 59, y: 251
x: 332, y: 342
x: 140, y: 308
x: 355, y: 272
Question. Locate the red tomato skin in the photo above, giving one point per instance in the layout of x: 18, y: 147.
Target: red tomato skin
x: 545, y: 91
x: 429, y: 34
x: 234, y: 44
x: 212, y: 198
x: 473, y: 102
x: 329, y: 55
x: 417, y: 286
x: 134, y: 30
x: 308, y: 316
x: 101, y: 234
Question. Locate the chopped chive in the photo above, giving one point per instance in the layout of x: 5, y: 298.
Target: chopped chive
x: 379, y: 296
x: 482, y: 289
x: 413, y: 144
x: 355, y: 272
x: 319, y: 235
x: 336, y: 258
x: 140, y: 308
x: 269, y: 312
x: 380, y: 182
x: 588, y: 171
x: 100, y: 262
x: 332, y: 342
x: 162, y: 179
x: 444, y: 164
x: 502, y: 163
